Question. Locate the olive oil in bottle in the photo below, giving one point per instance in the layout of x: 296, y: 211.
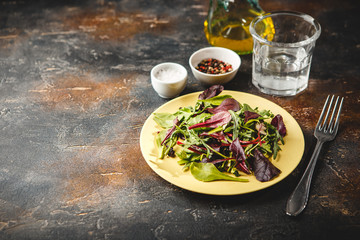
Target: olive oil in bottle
x: 228, y: 22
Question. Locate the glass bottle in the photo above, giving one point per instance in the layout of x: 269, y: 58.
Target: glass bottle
x: 228, y: 22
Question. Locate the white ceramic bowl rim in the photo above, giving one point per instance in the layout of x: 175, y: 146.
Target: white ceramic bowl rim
x: 234, y: 66
x: 181, y: 70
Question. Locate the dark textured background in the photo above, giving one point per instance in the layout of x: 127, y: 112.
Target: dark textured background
x: 75, y: 91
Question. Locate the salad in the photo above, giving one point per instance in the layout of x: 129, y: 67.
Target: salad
x: 222, y: 139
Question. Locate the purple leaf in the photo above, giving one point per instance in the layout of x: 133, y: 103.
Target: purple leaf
x: 243, y: 167
x: 171, y: 130
x: 216, y: 120
x: 239, y: 154
x: 264, y: 170
x: 197, y: 149
x: 278, y: 122
x: 217, y: 135
x: 216, y: 146
x: 250, y: 115
x: 227, y: 104
x: 221, y: 160
x: 237, y: 150
x: 211, y: 92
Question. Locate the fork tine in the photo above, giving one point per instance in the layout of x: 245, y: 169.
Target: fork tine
x: 319, y: 124
x: 336, y: 125
x: 331, y: 122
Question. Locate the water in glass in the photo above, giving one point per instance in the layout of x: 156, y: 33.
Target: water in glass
x: 281, y: 71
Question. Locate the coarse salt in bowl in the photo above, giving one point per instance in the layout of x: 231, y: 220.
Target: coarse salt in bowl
x: 168, y: 79
x: 223, y: 54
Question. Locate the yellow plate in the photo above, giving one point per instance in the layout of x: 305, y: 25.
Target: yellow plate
x: 168, y: 168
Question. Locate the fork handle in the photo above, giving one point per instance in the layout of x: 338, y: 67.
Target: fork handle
x: 299, y: 197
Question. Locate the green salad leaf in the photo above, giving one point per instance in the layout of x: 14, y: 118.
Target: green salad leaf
x: 207, y: 172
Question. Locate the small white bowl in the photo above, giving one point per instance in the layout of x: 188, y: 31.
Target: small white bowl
x: 219, y: 53
x: 168, y: 79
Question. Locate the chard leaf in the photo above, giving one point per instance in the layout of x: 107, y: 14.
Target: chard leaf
x: 219, y: 135
x: 207, y: 172
x: 170, y: 131
x: 211, y: 92
x: 278, y: 122
x: 237, y: 150
x: 226, y: 105
x: 250, y: 115
x: 216, y: 120
x: 264, y: 170
x: 239, y: 154
x: 164, y: 120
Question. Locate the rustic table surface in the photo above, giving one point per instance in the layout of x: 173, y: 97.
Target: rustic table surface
x: 75, y: 91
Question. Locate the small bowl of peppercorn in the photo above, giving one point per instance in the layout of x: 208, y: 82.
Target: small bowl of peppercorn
x: 214, y: 65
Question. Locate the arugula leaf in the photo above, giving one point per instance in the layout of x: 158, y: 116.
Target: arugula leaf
x: 236, y: 121
x: 207, y: 172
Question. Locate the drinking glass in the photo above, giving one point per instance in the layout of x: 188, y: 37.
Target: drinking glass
x: 284, y: 43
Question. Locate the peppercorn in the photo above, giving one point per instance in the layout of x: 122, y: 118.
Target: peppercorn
x: 213, y: 66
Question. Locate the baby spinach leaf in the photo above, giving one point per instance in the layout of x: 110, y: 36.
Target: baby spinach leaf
x: 164, y: 120
x: 207, y: 172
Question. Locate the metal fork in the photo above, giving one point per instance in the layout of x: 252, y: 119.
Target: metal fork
x: 325, y: 131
